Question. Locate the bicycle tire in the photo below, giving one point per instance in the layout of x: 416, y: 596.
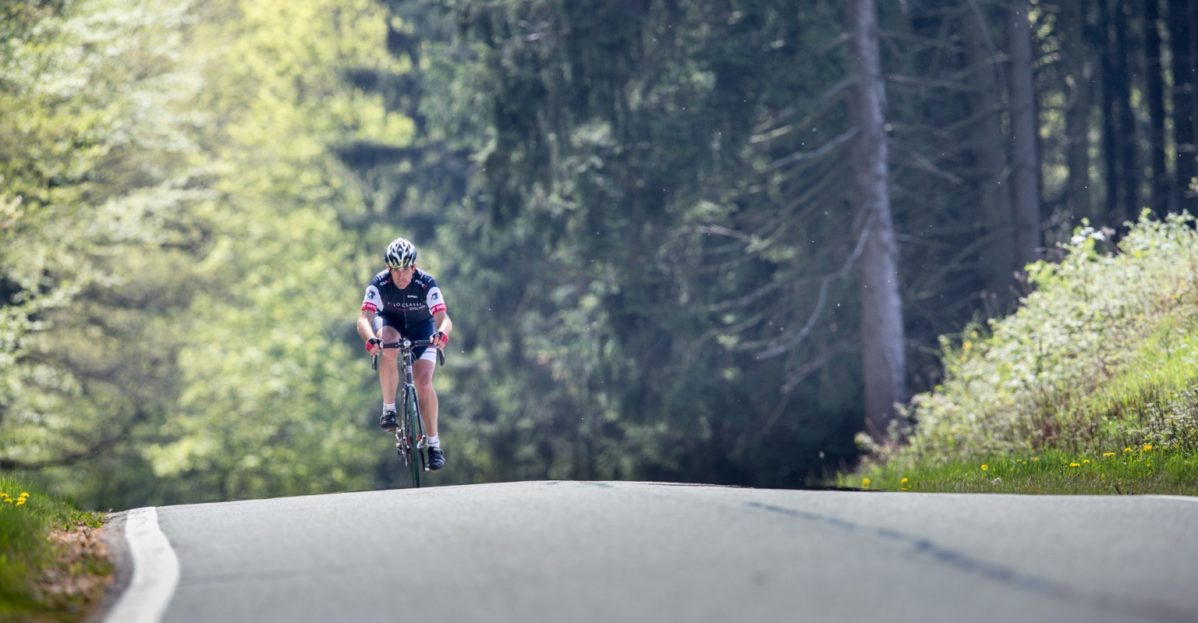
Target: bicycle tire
x: 403, y: 447
x: 411, y: 422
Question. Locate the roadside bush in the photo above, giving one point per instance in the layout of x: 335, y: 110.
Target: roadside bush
x: 1103, y: 350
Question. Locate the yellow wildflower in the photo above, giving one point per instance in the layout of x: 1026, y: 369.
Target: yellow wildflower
x: 1107, y: 455
x: 985, y: 467
x: 865, y: 483
x: 1074, y: 464
x: 1126, y: 450
x: 1148, y: 447
x: 21, y: 502
x: 903, y: 480
x: 1086, y: 462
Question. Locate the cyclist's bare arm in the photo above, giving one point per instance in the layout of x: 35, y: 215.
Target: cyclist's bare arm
x: 444, y: 325
x: 366, y: 329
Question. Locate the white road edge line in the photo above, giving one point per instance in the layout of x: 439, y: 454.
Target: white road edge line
x: 155, y: 571
x: 1177, y: 497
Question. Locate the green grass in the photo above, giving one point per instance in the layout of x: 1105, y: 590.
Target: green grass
x: 27, y: 519
x: 1154, y: 395
x: 1128, y: 470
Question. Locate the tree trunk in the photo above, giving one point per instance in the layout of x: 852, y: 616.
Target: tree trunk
x: 1025, y: 165
x: 1192, y: 197
x: 989, y: 148
x: 882, y: 311
x: 1156, y: 108
x: 1125, y: 122
x: 1110, y: 157
x: 1183, y: 67
x: 1077, y: 109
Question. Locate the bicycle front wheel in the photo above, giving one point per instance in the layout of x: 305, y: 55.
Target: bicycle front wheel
x: 412, y: 428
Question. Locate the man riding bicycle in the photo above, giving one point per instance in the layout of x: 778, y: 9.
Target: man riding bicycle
x: 403, y: 301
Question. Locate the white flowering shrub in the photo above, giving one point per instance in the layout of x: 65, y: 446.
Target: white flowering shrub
x: 1104, y: 350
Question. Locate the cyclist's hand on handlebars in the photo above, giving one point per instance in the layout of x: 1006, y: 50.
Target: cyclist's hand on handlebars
x: 440, y: 339
x: 374, y: 346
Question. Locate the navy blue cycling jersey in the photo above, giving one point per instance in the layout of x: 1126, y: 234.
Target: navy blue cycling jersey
x: 408, y: 306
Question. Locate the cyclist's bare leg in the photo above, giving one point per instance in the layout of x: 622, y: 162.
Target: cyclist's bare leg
x: 422, y: 374
x: 389, y: 366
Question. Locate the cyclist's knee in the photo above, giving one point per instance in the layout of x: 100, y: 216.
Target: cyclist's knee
x: 425, y: 388
x: 389, y: 335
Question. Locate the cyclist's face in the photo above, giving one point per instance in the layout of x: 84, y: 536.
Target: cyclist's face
x: 401, y: 277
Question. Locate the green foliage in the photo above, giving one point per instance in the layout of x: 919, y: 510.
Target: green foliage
x: 1101, y: 354
x: 95, y: 230
x: 273, y: 400
x: 629, y: 207
x: 609, y: 268
x: 177, y: 284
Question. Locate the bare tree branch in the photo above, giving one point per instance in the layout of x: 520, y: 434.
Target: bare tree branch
x: 825, y: 149
x: 821, y: 299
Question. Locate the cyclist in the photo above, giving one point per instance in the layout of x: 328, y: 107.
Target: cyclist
x: 404, y: 301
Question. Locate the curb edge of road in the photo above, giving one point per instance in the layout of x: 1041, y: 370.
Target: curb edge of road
x: 113, y: 536
x: 155, y: 571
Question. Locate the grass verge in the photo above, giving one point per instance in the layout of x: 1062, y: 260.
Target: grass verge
x: 1139, y: 470
x: 53, y: 565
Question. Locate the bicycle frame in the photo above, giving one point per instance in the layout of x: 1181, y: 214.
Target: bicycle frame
x: 409, y: 438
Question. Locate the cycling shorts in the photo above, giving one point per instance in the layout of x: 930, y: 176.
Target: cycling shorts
x: 419, y: 331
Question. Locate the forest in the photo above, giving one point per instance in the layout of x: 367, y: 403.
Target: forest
x: 718, y: 241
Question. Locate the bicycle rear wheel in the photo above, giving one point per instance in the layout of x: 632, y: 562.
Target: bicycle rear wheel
x: 404, y: 448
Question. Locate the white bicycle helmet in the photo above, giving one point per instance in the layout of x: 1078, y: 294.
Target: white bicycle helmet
x: 400, y: 253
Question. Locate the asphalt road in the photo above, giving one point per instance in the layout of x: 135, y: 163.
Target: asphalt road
x: 612, y: 551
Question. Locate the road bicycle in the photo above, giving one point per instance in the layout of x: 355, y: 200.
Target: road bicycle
x: 409, y: 437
